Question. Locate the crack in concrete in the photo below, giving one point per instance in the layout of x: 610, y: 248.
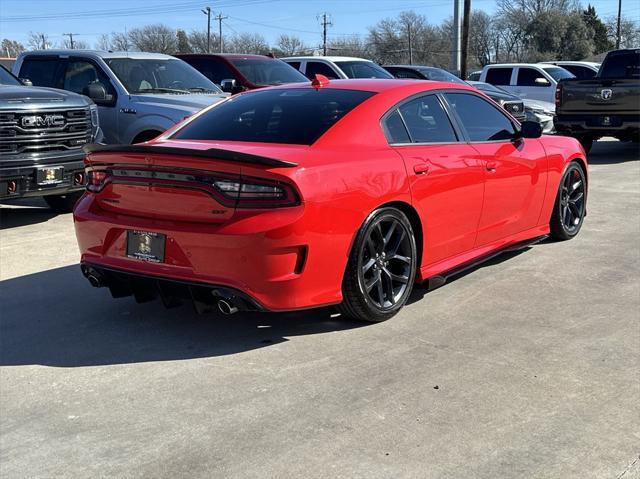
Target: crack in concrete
x: 629, y: 467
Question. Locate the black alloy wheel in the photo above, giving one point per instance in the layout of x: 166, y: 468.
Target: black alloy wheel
x: 382, y: 267
x: 569, y: 211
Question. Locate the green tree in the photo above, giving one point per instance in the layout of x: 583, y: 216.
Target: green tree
x: 183, y: 42
x: 601, y: 42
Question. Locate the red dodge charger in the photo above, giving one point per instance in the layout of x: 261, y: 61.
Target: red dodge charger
x: 344, y: 193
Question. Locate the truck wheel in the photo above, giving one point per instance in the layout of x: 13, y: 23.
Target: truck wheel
x: 586, y: 142
x: 63, y: 203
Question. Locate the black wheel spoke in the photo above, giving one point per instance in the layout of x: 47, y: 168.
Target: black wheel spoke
x: 369, y: 286
x: 380, y: 291
x: 567, y: 216
x: 577, y: 197
x: 368, y: 265
x: 399, y: 257
x: 574, y: 210
x: 396, y: 277
x: 389, y: 234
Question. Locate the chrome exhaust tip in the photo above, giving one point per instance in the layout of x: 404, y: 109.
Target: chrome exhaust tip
x: 94, y: 280
x: 226, y: 308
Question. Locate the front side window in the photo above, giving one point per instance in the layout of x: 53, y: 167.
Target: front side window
x: 290, y: 116
x: 427, y: 121
x: 268, y: 72
x: 531, y: 77
x: 160, y: 76
x: 481, y: 120
x: 499, y: 76
x: 215, y: 70
x: 80, y: 74
x: 7, y: 78
x: 362, y: 69
x: 319, y: 68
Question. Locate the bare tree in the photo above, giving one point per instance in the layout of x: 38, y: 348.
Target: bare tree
x: 11, y: 48
x: 629, y: 32
x: 247, y: 43
x: 38, y: 41
x: 157, y: 38
x: 115, y: 42
x: 481, y: 39
x: 77, y: 44
x: 350, y: 46
x: 290, y: 45
x: 198, y: 40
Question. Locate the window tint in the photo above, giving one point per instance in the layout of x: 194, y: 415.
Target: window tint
x: 363, y: 69
x: 581, y: 73
x: 40, y: 72
x: 268, y: 72
x: 80, y: 74
x: 427, y: 121
x: 528, y: 76
x: 623, y: 64
x: 405, y: 73
x: 438, y: 74
x: 481, y: 120
x: 295, y: 65
x: 557, y: 73
x: 499, y: 76
x: 395, y: 130
x: 314, y: 68
x: 7, y: 78
x: 215, y: 70
x: 294, y: 116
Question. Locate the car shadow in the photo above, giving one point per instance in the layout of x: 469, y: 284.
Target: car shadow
x: 23, y: 212
x: 54, y: 318
x: 613, y: 152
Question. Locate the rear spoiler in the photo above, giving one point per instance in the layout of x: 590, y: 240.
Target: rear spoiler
x: 214, y: 153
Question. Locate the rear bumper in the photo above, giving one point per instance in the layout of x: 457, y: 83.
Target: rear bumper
x: 626, y: 126
x: 280, y: 259
x: 19, y: 180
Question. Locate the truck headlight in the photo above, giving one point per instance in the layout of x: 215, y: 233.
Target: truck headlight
x: 95, y: 120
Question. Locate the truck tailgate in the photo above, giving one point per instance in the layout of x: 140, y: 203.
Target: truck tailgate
x: 598, y: 96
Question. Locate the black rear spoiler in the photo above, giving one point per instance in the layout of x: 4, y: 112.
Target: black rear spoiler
x: 215, y: 153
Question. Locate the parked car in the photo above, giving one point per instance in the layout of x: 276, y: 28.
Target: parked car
x: 42, y: 132
x: 533, y: 81
x: 474, y: 76
x: 237, y: 72
x: 606, y: 105
x: 581, y: 70
x: 420, y: 72
x: 431, y: 180
x: 337, y: 67
x: 139, y: 95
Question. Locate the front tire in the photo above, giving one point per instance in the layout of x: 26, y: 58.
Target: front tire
x: 571, y: 204
x: 381, y: 269
x: 63, y: 203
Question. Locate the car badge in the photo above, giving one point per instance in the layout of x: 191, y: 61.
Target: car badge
x: 516, y: 108
x: 145, y: 244
x: 606, y: 94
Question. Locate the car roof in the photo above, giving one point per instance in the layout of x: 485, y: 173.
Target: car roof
x: 331, y: 59
x: 99, y: 54
x: 569, y: 62
x: 227, y: 55
x: 511, y: 65
x: 380, y: 85
x: 411, y: 66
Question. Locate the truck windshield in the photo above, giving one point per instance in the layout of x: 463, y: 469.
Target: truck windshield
x: 558, y: 73
x: 160, y: 76
x: 363, y: 69
x: 268, y: 72
x: 625, y: 64
x: 7, y: 78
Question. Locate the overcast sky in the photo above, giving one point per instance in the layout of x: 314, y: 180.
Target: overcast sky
x: 268, y: 17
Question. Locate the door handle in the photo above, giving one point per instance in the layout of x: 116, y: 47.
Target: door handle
x: 421, y: 168
x: 491, y: 166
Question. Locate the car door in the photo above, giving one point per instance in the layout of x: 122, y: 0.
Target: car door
x: 533, y: 84
x: 445, y: 175
x: 78, y: 75
x: 515, y: 170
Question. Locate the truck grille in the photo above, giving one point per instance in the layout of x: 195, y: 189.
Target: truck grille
x: 49, y: 130
x: 516, y: 108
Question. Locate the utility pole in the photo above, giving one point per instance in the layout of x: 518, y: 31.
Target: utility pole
x: 618, y: 27
x: 455, y: 40
x: 465, y: 39
x: 70, y: 35
x: 220, y: 18
x: 410, y: 44
x: 207, y: 12
x: 325, y: 23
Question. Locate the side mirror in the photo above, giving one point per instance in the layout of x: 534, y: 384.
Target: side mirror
x: 530, y: 129
x: 228, y: 85
x: 541, y: 81
x: 98, y: 93
x: 26, y: 82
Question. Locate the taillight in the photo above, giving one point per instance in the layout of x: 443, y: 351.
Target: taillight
x: 558, y: 95
x: 256, y: 193
x: 96, y: 179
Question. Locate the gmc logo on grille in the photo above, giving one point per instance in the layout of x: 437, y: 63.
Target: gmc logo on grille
x: 42, y: 120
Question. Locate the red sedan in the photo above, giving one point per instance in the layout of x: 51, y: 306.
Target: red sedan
x: 336, y: 193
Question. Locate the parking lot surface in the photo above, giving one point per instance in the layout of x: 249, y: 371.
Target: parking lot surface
x: 525, y: 367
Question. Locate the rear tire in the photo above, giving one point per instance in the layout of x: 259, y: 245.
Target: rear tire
x: 571, y: 204
x: 63, y: 203
x: 381, y: 268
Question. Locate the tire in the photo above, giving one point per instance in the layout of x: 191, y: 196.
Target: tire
x: 586, y: 142
x: 571, y: 204
x: 381, y: 268
x: 63, y: 203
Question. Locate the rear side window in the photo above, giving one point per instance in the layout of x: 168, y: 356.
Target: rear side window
x: 405, y: 73
x: 528, y: 77
x: 581, y: 73
x: 314, y: 68
x: 290, y: 116
x: 624, y: 64
x: 395, y: 130
x: 40, y: 72
x: 499, y: 76
x: 427, y: 121
x: 481, y: 120
x: 214, y: 70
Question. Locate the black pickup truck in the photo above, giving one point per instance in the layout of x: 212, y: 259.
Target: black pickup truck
x: 607, y: 105
x: 42, y: 132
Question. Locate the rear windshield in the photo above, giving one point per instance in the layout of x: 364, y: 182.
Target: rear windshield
x: 621, y: 65
x: 268, y: 72
x: 293, y: 116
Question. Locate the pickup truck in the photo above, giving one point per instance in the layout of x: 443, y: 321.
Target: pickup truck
x: 607, y: 105
x: 42, y: 132
x: 139, y: 95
